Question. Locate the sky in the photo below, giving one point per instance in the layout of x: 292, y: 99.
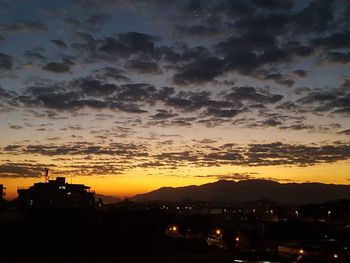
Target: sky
x: 128, y: 96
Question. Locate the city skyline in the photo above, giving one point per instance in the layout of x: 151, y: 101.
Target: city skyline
x: 128, y: 96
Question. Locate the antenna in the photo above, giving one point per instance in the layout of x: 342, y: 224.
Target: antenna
x: 71, y: 174
x: 46, y: 174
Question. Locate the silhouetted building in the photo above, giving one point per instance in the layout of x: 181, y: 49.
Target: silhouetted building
x: 56, y: 194
x: 2, y: 193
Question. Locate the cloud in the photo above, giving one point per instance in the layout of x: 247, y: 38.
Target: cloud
x: 79, y: 148
x: 250, y: 94
x: 163, y: 114
x: 6, y: 62
x: 274, y: 4
x: 300, y: 73
x: 345, y: 132
x: 234, y: 176
x: 127, y: 44
x: 92, y: 23
x: 18, y: 26
x: 316, y: 17
x: 333, y: 41
x: 108, y: 73
x: 22, y: 169
x: 35, y: 55
x: 6, y: 94
x: 144, y: 67
x: 59, y: 67
x: 335, y: 101
x: 339, y: 57
x: 201, y: 70
x: 198, y: 30
x: 15, y: 127
x: 59, y: 43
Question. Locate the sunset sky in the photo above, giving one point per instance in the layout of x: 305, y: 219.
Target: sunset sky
x: 128, y: 96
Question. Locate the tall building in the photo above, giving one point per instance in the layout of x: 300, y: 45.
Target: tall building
x: 2, y: 192
x: 55, y: 194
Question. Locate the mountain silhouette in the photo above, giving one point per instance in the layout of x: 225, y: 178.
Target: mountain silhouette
x: 108, y: 199
x: 250, y: 190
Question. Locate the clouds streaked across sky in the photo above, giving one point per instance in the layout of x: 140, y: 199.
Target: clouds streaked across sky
x: 131, y: 95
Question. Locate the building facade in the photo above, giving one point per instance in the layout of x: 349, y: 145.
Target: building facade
x: 55, y: 194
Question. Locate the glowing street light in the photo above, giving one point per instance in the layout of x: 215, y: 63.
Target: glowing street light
x: 237, y: 239
x: 218, y: 231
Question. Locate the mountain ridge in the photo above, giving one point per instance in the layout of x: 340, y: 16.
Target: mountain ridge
x: 250, y: 190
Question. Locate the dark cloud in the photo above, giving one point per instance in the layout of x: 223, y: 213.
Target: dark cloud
x: 107, y: 73
x: 248, y: 53
x: 163, y: 114
x: 127, y: 44
x: 59, y: 67
x: 299, y: 49
x: 79, y: 148
x: 22, y: 169
x: 59, y: 43
x: 276, y: 153
x: 93, y: 22
x: 201, y: 70
x: 300, y: 72
x: 269, y: 24
x: 316, y: 17
x: 6, y: 94
x: 222, y: 113
x: 332, y: 41
x: 339, y: 57
x: 345, y: 84
x: 17, y: 26
x: 274, y: 55
x: 95, y: 88
x: 144, y: 67
x: 35, y: 55
x: 200, y: 155
x: 278, y: 78
x: 234, y: 176
x: 250, y: 94
x: 274, y: 4
x: 299, y: 155
x: 6, y: 62
x: 346, y: 132
x: 180, y: 52
x: 235, y: 8
x: 336, y: 101
x: 199, y: 30
x: 15, y: 127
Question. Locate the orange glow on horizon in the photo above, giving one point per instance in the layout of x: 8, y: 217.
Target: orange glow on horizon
x: 142, y: 181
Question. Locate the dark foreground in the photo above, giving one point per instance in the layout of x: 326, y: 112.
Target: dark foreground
x: 146, y: 234
x: 98, y: 236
